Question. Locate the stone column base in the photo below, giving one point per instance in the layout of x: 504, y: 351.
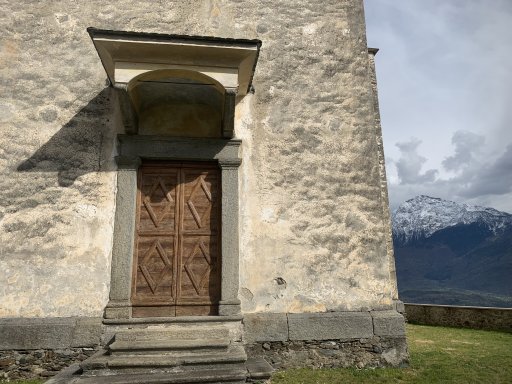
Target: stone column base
x: 118, y: 310
x: 229, y: 308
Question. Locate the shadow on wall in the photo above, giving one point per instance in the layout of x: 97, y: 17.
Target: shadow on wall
x: 83, y: 145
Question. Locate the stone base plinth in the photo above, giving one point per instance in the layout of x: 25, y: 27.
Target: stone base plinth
x: 332, y: 339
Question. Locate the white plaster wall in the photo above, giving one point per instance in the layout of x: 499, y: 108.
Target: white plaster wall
x: 313, y: 235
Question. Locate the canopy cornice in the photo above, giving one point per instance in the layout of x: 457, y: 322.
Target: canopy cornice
x: 126, y: 55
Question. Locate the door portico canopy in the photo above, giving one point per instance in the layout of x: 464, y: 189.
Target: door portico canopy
x: 128, y: 57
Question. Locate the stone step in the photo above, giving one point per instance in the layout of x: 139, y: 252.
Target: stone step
x: 212, y: 376
x: 175, y: 360
x: 255, y: 369
x: 181, y: 332
x: 191, y: 369
x: 234, y: 354
x: 258, y: 369
x: 189, y: 352
x: 120, y: 346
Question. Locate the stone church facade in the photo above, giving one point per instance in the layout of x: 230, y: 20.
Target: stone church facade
x: 194, y: 168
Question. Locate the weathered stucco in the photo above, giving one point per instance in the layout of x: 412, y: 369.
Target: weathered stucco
x: 312, y: 227
x: 313, y: 232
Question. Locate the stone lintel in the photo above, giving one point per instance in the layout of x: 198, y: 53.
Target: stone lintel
x: 173, y: 148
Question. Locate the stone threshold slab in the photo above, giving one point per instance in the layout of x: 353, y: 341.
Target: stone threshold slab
x: 174, y: 320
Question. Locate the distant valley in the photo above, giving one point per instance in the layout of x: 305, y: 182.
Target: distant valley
x: 453, y: 254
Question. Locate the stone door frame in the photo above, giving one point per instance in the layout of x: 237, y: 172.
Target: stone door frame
x: 132, y: 149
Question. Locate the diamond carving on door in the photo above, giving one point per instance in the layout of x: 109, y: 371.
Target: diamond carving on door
x: 177, y: 240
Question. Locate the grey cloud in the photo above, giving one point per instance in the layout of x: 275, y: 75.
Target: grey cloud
x: 487, y: 184
x: 429, y: 89
x: 410, y: 163
x: 466, y: 143
x: 492, y: 179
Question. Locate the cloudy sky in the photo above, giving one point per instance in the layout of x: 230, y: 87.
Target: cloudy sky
x: 445, y: 88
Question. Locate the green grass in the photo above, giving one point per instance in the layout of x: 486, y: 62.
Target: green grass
x: 437, y: 355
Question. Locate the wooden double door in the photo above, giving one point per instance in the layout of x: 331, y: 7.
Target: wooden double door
x: 177, y: 241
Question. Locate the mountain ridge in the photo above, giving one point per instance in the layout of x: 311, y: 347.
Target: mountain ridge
x: 422, y: 216
x: 453, y: 254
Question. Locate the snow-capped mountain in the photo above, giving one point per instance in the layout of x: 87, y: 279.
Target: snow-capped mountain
x: 453, y: 254
x: 422, y: 216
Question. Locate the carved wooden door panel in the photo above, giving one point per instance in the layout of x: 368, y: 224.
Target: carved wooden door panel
x: 177, y: 240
